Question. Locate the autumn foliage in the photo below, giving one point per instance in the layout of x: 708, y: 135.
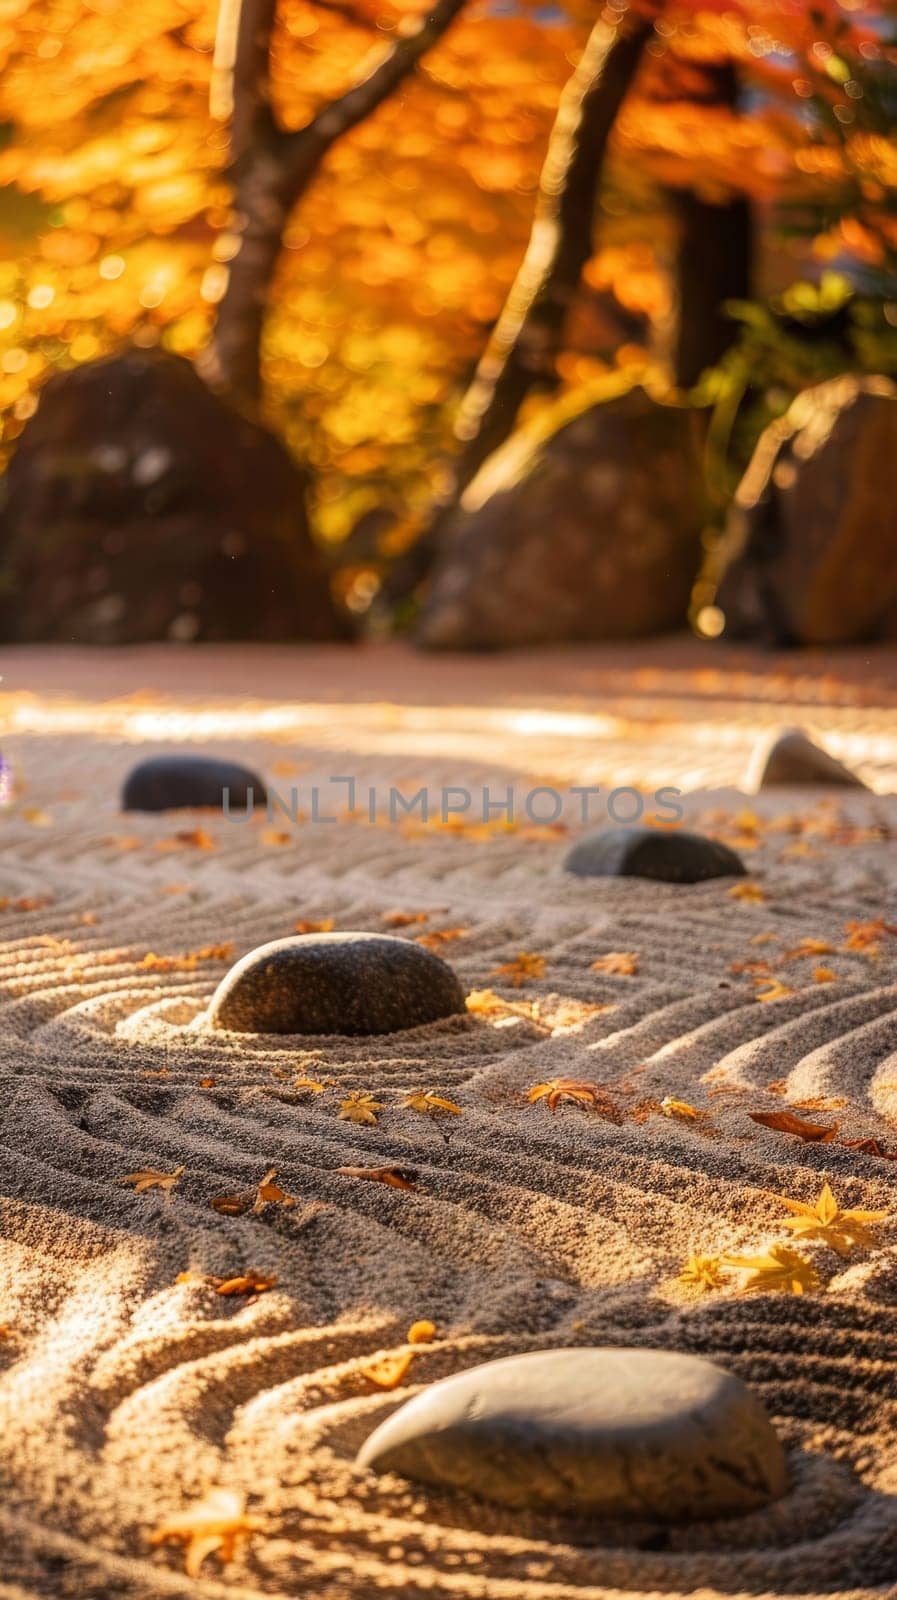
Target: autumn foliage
x: 117, y: 224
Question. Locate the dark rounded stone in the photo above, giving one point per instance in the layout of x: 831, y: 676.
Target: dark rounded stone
x: 349, y: 983
x: 172, y: 783
x: 624, y: 1434
x: 648, y: 853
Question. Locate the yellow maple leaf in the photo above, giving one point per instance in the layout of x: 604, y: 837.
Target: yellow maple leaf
x: 778, y: 1269
x: 217, y: 1524
x: 440, y: 936
x: 620, y: 963
x: 525, y: 966
x: 310, y: 1084
x: 424, y: 1100
x: 678, y: 1108
x: 842, y: 1230
x: 555, y: 1090
x: 388, y: 1372
x: 149, y: 1179
x: 748, y: 891
x: 360, y: 1106
x: 775, y: 991
x: 702, y: 1272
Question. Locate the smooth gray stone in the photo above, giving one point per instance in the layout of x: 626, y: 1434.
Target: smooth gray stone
x: 790, y: 757
x: 615, y: 1433
x: 176, y: 782
x: 674, y: 857
x: 349, y: 983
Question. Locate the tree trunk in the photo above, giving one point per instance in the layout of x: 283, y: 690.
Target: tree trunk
x: 715, y: 259
x: 527, y: 338
x: 271, y: 169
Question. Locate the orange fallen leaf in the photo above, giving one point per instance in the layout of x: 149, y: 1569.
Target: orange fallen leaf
x: 395, y: 1177
x: 620, y: 963
x: 421, y: 1332
x: 308, y: 925
x: 788, y: 1122
x: 266, y: 1193
x: 424, y: 1100
x: 679, y: 1108
x: 388, y: 1372
x: 776, y: 991
x: 311, y: 1085
x: 216, y: 1525
x: 556, y: 1090
x: 187, y: 838
x: 869, y: 1147
x: 824, y: 975
x: 750, y: 892
x: 440, y: 936
x: 207, y: 1083
x: 359, y: 1106
x: 809, y: 947
x: 249, y: 1282
x: 149, y: 1179
x: 866, y: 936
x: 404, y: 919
x: 525, y: 966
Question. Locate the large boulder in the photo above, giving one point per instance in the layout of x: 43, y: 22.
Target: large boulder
x: 811, y: 550
x: 139, y: 506
x: 591, y: 531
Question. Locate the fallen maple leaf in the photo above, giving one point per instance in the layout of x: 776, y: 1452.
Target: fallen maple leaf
x: 866, y: 936
x: 311, y: 1084
x: 388, y: 1372
x: 207, y: 1083
x: 359, y: 1106
x: 524, y: 967
x: 308, y: 925
x: 751, y: 892
x: 421, y: 1332
x: 403, y: 919
x: 678, y: 1108
x: 869, y: 1147
x: 217, y: 1524
x: 825, y: 1220
x: 776, y: 991
x: 266, y: 1193
x: 808, y: 947
x: 788, y: 1122
x: 824, y: 975
x: 187, y: 838
x: 557, y: 1089
x: 778, y: 1269
x: 396, y: 1177
x: 424, y: 1100
x: 148, y: 1179
x: 249, y: 1282
x: 620, y: 963
x: 440, y: 936
x: 702, y: 1272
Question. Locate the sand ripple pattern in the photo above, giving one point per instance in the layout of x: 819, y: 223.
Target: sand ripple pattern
x: 125, y: 1393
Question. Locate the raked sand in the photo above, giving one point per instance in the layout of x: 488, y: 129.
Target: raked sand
x: 126, y: 1395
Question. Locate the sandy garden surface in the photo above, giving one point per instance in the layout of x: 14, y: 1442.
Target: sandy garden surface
x: 130, y: 1388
